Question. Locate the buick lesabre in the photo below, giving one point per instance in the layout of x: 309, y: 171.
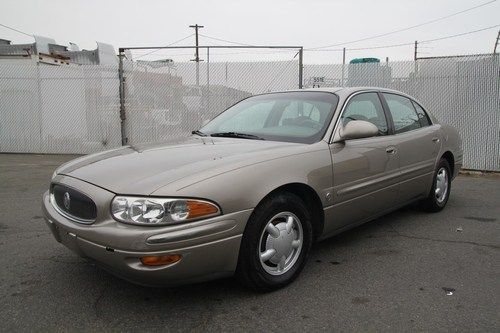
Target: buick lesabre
x: 248, y: 193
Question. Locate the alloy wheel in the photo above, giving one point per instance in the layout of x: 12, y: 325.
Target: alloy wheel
x: 441, y: 190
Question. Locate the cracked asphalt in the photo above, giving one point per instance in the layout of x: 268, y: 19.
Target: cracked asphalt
x: 408, y: 271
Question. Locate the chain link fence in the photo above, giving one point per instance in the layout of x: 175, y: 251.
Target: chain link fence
x: 168, y: 95
x: 58, y: 109
x: 76, y: 109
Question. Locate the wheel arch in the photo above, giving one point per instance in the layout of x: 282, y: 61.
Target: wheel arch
x: 448, y: 156
x: 310, y: 198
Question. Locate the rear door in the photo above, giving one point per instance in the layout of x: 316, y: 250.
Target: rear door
x: 364, y: 170
x: 417, y: 144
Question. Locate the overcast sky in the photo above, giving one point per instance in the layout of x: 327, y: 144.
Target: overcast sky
x: 280, y: 22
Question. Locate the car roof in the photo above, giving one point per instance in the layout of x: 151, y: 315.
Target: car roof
x: 346, y: 91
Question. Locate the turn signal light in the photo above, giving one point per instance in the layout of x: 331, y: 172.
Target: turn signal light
x: 160, y: 260
x: 200, y: 208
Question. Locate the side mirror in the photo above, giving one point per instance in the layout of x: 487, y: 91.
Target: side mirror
x: 357, y: 129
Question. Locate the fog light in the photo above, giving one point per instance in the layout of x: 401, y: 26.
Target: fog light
x: 160, y: 260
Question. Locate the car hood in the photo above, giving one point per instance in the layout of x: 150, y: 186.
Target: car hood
x: 142, y: 169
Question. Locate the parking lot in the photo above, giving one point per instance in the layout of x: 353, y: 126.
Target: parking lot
x: 409, y: 270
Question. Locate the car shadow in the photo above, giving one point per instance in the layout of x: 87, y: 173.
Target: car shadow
x: 349, y: 238
x: 116, y: 301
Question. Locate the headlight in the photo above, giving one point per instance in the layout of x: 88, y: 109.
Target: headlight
x: 160, y: 211
x: 54, y: 175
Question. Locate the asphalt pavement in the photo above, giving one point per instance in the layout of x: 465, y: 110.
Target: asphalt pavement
x: 408, y: 271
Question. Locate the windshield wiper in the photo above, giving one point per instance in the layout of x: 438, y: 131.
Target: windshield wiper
x: 237, y: 135
x: 198, y: 133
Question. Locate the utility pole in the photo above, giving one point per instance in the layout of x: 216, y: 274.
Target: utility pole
x: 496, y: 42
x: 197, y: 54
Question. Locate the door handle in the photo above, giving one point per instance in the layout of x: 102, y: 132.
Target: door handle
x: 390, y: 150
x: 436, y: 140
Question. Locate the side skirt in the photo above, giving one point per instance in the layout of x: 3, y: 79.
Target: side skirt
x: 371, y: 218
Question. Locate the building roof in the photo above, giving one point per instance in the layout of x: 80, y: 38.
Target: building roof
x: 47, y: 47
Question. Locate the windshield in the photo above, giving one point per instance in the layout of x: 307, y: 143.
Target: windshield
x: 301, y: 117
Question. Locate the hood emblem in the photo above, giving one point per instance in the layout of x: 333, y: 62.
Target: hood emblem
x: 66, y: 200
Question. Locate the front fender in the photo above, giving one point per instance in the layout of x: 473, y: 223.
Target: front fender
x: 244, y: 187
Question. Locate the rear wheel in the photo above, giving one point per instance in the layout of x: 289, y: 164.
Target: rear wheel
x: 275, y: 243
x: 440, y: 191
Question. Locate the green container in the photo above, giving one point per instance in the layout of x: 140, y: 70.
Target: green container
x: 364, y: 60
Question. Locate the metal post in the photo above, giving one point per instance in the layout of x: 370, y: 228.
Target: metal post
x: 226, y: 73
x: 121, y: 79
x: 496, y: 43
x: 208, y: 80
x: 197, y: 73
x: 343, y: 67
x: 415, y: 58
x: 41, y: 145
x: 301, y: 66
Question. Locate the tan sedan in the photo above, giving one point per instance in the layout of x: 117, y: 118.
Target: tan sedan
x: 250, y: 192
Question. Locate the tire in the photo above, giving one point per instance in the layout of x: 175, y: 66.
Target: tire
x: 435, y: 202
x: 275, y: 272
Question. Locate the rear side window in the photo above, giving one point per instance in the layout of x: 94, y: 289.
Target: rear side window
x: 423, y: 118
x: 367, y: 107
x: 403, y: 113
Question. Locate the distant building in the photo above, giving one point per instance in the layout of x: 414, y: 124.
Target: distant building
x: 47, y: 51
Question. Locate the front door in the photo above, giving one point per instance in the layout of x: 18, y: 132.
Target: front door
x: 365, y: 171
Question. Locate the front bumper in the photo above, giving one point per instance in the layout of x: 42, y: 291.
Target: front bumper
x: 209, y: 248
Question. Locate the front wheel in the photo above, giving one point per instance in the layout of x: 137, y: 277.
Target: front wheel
x: 275, y: 243
x: 441, y: 186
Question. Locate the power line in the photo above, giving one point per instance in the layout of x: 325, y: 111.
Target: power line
x: 243, y: 44
x: 407, y: 28
x: 177, y: 41
x: 371, y: 37
x: 14, y: 29
x: 412, y: 43
x: 458, y: 35
x: 380, y: 47
x: 225, y: 40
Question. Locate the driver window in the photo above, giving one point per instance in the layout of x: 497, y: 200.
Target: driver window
x: 367, y: 107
